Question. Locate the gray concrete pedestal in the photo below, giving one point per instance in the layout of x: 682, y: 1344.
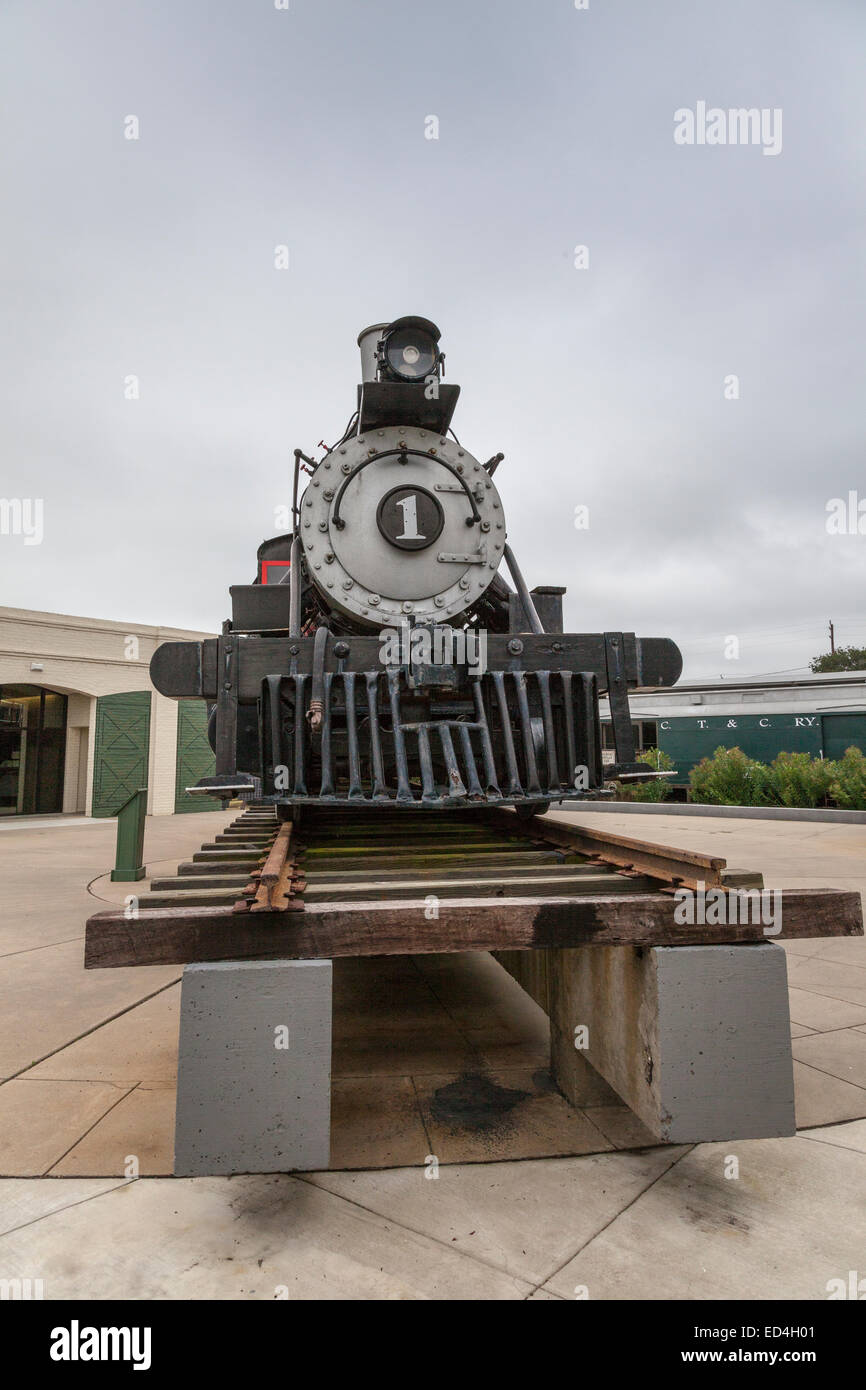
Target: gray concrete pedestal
x: 695, y: 1039
x: 254, y: 1068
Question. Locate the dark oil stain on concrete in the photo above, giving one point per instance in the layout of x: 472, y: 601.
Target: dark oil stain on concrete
x: 473, y: 1101
x: 544, y: 1083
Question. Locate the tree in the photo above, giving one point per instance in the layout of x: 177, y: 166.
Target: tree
x: 843, y: 659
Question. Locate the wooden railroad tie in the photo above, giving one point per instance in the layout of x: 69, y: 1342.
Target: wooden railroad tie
x: 500, y: 885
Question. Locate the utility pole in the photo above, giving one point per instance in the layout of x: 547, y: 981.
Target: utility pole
x: 832, y: 638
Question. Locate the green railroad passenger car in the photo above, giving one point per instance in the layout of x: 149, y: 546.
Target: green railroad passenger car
x: 820, y: 714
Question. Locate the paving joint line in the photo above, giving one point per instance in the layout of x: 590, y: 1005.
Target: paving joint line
x: 833, y: 1077
x: 28, y: 950
x: 412, y: 1230
x: 89, y: 1129
x: 420, y: 1110
x: 45, y: 1215
x: 552, y: 1275
x: 87, y: 1032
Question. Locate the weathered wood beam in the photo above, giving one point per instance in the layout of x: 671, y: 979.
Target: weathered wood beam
x: 177, y: 935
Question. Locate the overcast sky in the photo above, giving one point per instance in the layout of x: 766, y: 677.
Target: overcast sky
x: 604, y: 386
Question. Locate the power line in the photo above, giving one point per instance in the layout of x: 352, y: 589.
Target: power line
x: 753, y: 675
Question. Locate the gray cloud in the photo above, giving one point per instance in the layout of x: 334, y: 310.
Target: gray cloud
x: 602, y: 386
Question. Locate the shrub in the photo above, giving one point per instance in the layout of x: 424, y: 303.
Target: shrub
x: 657, y: 790
x: 798, y: 779
x: 848, y: 780
x: 730, y: 778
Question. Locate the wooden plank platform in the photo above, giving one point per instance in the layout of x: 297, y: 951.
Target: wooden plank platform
x: 411, y: 883
x: 178, y: 935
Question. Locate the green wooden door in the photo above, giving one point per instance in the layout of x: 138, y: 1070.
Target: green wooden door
x: 121, y: 749
x: 195, y: 757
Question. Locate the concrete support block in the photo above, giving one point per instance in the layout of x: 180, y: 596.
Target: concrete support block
x: 254, y: 1068
x: 695, y: 1039
x: 576, y: 1078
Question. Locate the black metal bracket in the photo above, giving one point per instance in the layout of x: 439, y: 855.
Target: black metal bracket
x: 617, y: 694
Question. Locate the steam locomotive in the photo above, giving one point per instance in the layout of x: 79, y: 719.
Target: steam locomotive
x: 379, y: 658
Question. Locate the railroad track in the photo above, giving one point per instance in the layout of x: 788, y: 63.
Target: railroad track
x: 349, y: 881
x: 338, y: 857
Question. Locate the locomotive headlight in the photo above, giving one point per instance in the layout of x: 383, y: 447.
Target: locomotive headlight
x: 409, y: 350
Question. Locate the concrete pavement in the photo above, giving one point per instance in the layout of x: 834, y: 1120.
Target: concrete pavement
x: 434, y: 1056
